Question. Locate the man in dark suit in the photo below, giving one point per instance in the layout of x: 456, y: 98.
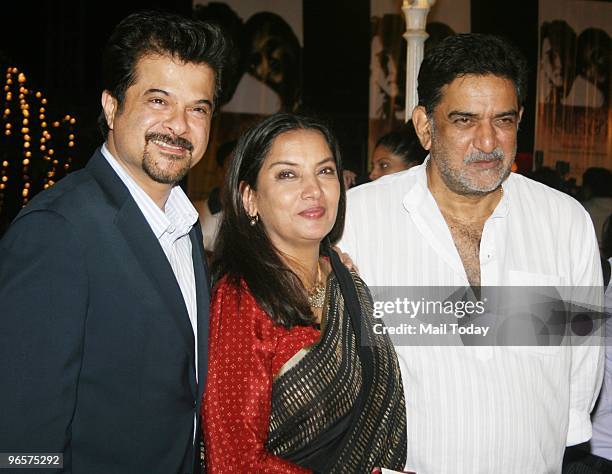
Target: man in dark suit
x: 103, y: 284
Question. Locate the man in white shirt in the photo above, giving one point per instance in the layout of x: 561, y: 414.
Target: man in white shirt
x: 103, y: 280
x: 462, y: 219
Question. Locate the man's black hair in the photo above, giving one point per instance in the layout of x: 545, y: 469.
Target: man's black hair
x: 469, y: 54
x: 156, y: 33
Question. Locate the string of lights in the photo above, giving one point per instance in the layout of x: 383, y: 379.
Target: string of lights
x: 26, y: 127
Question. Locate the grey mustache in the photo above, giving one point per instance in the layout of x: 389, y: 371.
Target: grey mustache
x: 496, y: 154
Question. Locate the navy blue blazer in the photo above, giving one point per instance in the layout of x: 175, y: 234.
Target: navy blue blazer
x: 96, y: 347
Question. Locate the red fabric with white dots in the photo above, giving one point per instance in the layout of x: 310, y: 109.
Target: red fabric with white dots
x: 246, y: 349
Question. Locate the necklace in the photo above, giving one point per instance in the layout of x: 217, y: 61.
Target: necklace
x: 316, y: 295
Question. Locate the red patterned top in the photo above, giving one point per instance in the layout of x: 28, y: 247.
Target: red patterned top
x: 246, y: 350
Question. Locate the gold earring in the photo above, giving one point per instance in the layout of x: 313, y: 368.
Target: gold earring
x: 254, y: 220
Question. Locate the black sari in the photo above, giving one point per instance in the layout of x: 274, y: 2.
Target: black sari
x: 340, y: 407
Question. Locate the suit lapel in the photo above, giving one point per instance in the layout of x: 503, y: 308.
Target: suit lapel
x: 145, y: 246
x: 153, y: 260
x: 202, y: 282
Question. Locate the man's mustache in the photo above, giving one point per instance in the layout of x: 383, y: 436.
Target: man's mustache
x: 496, y: 154
x: 170, y: 140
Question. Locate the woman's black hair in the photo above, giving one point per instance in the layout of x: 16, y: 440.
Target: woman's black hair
x: 405, y: 144
x: 245, y: 252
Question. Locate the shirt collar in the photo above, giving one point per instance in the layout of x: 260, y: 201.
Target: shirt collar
x: 415, y: 198
x: 417, y: 194
x: 179, y: 215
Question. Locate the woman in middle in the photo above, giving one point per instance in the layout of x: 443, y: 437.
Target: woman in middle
x: 294, y: 383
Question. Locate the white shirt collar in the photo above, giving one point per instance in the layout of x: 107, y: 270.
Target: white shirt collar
x: 414, y: 198
x: 179, y: 216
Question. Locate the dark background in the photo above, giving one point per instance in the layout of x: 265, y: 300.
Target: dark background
x: 58, y: 44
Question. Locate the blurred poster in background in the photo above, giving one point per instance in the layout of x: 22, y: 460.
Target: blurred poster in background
x: 388, y: 57
x: 267, y: 78
x: 573, y: 111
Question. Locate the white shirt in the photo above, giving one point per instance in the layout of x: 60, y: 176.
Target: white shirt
x: 601, y: 443
x: 171, y: 228
x: 211, y: 223
x: 483, y: 409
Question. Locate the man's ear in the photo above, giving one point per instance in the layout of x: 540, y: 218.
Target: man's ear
x: 422, y: 126
x: 249, y: 200
x: 109, y: 105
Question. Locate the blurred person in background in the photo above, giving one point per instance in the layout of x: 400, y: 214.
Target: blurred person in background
x: 396, y: 151
x: 548, y: 176
x: 601, y: 442
x: 597, y: 195
x: 210, y: 210
x: 595, y: 457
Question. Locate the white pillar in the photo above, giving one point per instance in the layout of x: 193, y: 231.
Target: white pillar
x: 415, y: 12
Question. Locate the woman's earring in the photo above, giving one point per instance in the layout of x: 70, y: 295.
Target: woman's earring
x: 254, y: 220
